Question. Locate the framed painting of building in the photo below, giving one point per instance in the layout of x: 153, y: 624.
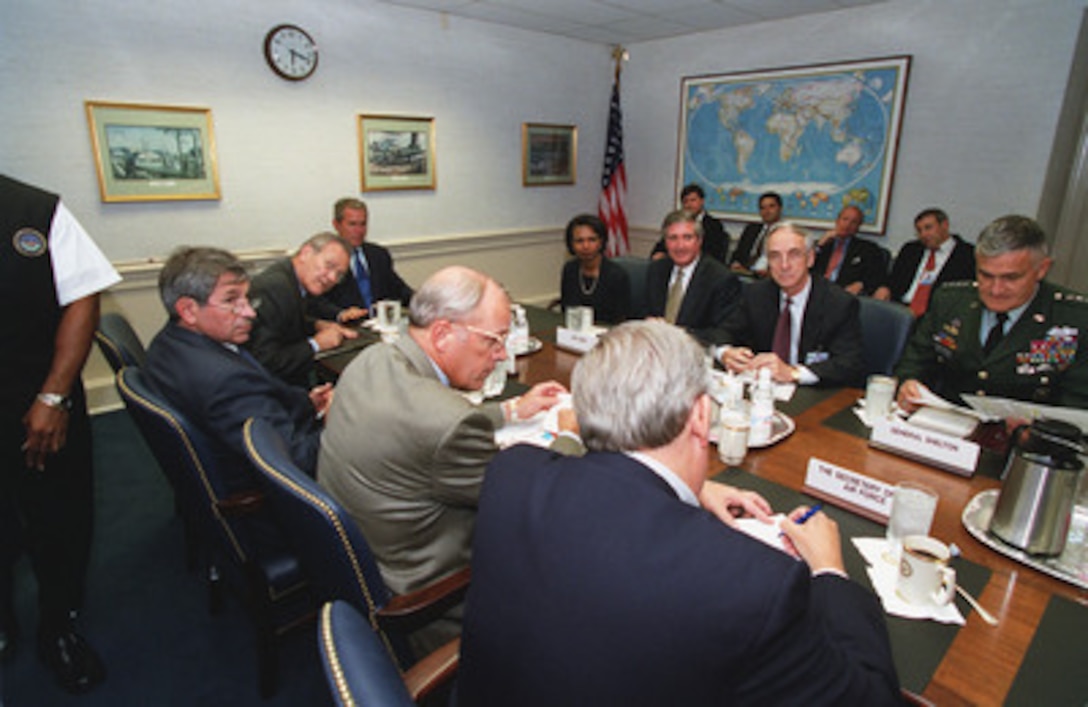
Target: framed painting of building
x: 396, y: 152
x: 549, y: 154
x: 153, y: 152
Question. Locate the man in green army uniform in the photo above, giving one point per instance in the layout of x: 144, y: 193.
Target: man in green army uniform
x: 1010, y: 334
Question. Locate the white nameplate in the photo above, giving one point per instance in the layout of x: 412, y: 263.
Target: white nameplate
x: 940, y: 450
x: 580, y: 341
x: 850, y: 487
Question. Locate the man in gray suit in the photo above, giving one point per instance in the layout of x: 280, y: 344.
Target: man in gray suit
x: 405, y: 451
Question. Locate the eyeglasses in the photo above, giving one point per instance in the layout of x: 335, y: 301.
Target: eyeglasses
x: 494, y: 340
x: 237, y: 305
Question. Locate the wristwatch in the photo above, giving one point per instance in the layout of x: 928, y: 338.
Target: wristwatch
x: 56, y: 400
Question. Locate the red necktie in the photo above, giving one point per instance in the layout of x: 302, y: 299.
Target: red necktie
x: 920, y: 301
x: 836, y: 257
x: 781, y: 345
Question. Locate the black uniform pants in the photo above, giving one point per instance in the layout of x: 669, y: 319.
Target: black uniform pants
x: 47, y: 514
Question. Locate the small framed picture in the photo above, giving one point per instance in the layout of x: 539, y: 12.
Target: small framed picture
x: 396, y: 152
x: 152, y: 152
x: 549, y: 154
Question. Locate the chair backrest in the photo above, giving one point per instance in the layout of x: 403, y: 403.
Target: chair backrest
x: 636, y: 269
x: 334, y: 553
x: 358, y: 668
x: 185, y: 456
x: 885, y: 327
x: 118, y: 342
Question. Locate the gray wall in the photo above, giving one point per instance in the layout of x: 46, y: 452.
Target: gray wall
x: 985, y: 91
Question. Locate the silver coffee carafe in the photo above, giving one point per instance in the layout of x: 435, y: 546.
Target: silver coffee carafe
x: 1040, y: 484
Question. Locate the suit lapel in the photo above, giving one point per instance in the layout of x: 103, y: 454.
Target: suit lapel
x: 813, y: 318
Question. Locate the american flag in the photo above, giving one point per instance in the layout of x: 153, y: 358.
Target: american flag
x: 614, y: 180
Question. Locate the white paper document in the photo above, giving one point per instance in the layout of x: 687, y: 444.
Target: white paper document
x: 1003, y: 408
x: 766, y: 532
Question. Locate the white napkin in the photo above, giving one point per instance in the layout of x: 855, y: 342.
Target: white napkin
x: 883, y: 575
x: 541, y: 429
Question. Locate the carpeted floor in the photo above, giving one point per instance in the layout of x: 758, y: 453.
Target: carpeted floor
x: 146, y: 614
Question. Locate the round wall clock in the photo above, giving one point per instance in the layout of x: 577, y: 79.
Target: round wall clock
x: 291, y: 52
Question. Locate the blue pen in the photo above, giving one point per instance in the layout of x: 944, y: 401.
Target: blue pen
x: 809, y: 513
x: 805, y: 516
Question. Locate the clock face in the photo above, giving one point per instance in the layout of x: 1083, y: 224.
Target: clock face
x: 291, y: 52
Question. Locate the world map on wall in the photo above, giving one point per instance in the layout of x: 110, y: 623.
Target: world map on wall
x: 822, y: 137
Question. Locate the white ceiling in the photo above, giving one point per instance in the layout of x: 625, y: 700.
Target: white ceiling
x: 626, y: 21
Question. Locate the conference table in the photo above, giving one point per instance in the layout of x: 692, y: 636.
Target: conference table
x: 981, y: 665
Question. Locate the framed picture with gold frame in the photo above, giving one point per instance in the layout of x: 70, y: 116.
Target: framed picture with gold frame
x: 152, y: 152
x: 549, y: 154
x: 396, y: 152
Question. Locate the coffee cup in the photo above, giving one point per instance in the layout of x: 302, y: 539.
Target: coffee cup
x: 924, y: 575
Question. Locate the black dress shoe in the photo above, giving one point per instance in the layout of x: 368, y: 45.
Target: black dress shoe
x: 74, y: 663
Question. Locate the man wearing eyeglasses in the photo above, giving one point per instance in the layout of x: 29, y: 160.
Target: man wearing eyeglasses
x: 288, y: 330
x: 197, y: 363
x: 404, y: 450
x: 804, y: 328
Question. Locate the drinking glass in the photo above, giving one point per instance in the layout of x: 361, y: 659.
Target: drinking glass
x: 913, y: 508
x: 879, y: 396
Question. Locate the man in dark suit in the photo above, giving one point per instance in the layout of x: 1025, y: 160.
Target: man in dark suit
x: 372, y: 277
x: 715, y: 237
x: 750, y: 255
x: 806, y: 328
x: 856, y: 265
x: 604, y: 580
x: 288, y: 332
x: 197, y: 362
x: 688, y: 289
x: 936, y: 257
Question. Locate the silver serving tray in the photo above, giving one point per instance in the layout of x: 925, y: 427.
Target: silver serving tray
x: 1071, y: 566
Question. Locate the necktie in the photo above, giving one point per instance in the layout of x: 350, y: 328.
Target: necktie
x: 781, y: 345
x: 836, y: 258
x: 362, y: 277
x: 676, y: 296
x: 920, y: 301
x: 996, y: 334
x: 757, y: 247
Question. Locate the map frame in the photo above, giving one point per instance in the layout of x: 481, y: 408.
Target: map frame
x: 738, y: 200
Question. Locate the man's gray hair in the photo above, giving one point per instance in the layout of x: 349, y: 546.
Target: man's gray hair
x: 1009, y: 233
x: 792, y: 228
x: 193, y: 272
x: 681, y: 216
x: 452, y: 293
x: 320, y: 240
x: 636, y: 388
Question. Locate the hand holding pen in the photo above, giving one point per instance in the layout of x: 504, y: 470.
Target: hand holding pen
x: 815, y: 538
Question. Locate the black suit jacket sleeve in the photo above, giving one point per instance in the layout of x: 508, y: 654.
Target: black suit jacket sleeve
x: 279, y: 339
x: 715, y: 238
x: 712, y: 293
x: 385, y: 283
x: 743, y: 253
x: 219, y: 391
x: 830, y: 343
x: 831, y: 336
x: 863, y: 262
x: 959, y: 266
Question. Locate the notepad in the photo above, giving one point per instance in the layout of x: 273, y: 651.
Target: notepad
x: 765, y: 532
